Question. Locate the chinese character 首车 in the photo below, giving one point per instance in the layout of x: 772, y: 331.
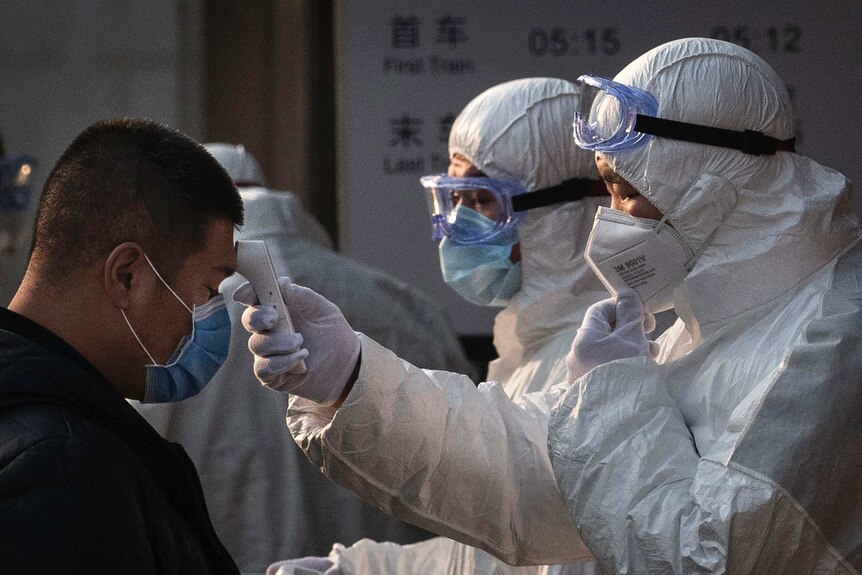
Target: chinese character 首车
x: 405, y: 31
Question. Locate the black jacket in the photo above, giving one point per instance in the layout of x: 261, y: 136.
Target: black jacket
x: 86, y: 485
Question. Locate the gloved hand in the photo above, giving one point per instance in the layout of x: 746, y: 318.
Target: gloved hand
x: 612, y: 329
x: 312, y: 564
x: 331, y: 346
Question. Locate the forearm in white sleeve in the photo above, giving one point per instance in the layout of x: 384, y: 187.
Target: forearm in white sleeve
x: 438, y: 555
x: 431, y: 449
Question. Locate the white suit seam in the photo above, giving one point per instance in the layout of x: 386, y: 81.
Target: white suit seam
x: 765, y: 479
x: 760, y: 401
x: 783, y: 364
x: 839, y: 256
x: 831, y: 260
x: 799, y: 508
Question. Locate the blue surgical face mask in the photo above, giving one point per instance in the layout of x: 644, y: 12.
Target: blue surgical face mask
x: 481, y: 273
x: 198, y: 356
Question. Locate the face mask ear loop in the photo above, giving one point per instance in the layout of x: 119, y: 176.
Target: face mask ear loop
x: 158, y: 275
x: 661, y: 224
x: 128, y: 323
x: 689, y: 264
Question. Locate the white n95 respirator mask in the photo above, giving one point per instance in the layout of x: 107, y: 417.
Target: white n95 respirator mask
x: 648, y: 256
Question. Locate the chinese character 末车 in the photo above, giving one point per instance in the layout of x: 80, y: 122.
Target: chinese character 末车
x: 405, y: 131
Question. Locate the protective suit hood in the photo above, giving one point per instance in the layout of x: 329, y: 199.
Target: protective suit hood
x: 514, y: 131
x: 239, y: 163
x: 268, y: 213
x: 717, y: 197
x: 276, y: 214
x: 521, y: 130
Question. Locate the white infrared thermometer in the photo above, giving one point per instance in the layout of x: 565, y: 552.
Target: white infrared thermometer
x: 254, y: 264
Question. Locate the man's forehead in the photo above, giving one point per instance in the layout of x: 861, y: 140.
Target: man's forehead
x: 219, y: 254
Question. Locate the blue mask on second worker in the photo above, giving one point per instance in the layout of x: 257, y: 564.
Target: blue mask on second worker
x: 481, y: 273
x: 198, y: 356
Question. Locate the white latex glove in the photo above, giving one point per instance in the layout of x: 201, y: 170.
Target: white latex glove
x: 612, y: 329
x: 331, y: 346
x: 304, y: 566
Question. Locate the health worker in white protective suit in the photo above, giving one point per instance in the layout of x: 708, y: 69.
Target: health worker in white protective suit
x: 234, y: 429
x: 737, y: 449
x: 499, y: 203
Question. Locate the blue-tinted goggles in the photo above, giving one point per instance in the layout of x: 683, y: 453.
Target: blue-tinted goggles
x: 15, y: 174
x: 501, y: 202
x: 613, y: 117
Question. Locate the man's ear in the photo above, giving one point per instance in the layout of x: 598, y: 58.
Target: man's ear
x: 122, y: 272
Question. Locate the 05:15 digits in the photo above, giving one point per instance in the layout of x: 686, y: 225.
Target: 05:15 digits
x: 562, y: 42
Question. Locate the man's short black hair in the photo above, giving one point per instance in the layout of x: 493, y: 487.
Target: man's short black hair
x: 130, y: 180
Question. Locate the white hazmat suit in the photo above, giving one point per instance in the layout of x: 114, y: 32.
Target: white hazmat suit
x: 519, y: 129
x: 266, y: 501
x: 738, y: 451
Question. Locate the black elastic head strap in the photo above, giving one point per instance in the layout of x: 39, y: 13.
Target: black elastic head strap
x: 568, y: 191
x: 748, y: 141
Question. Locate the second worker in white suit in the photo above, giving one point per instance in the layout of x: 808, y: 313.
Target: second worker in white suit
x: 546, y: 285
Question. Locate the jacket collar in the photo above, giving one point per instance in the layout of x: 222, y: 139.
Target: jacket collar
x: 37, y: 366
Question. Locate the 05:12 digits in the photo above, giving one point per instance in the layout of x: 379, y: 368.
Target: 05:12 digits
x: 777, y: 39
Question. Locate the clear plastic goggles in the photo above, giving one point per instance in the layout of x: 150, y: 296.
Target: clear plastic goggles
x: 608, y: 112
x: 613, y: 117
x: 489, y: 197
x: 15, y: 174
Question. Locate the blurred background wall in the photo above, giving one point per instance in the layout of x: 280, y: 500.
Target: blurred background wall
x: 258, y: 73
x: 346, y: 103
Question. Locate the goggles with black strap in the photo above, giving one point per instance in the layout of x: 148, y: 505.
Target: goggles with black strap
x: 614, y: 117
x: 501, y: 203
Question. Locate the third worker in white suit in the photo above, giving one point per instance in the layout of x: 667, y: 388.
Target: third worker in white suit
x: 735, y: 449
x: 546, y: 290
